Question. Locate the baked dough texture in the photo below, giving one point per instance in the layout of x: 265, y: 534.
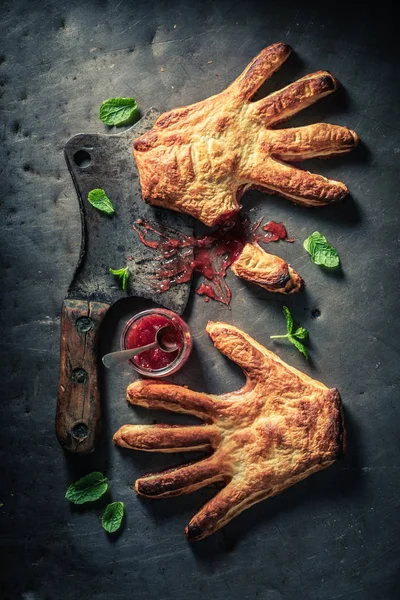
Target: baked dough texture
x: 279, y: 428
x: 266, y: 270
x: 199, y: 159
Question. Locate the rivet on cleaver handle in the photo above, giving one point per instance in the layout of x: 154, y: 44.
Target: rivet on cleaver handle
x: 78, y: 405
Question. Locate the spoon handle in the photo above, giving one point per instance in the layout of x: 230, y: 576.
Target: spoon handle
x: 116, y: 358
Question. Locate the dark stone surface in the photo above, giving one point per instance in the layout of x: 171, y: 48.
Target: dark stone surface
x: 335, y: 535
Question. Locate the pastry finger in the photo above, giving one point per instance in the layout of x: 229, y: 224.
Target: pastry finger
x: 261, y: 68
x: 290, y: 100
x: 299, y: 186
x: 165, y: 396
x: 180, y: 480
x: 318, y: 140
x: 239, y: 347
x: 266, y: 270
x: 167, y: 438
x: 221, y: 509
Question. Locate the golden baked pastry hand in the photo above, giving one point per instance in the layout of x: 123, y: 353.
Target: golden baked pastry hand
x: 278, y: 429
x: 200, y: 159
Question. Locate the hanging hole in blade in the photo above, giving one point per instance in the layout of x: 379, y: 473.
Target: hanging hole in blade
x: 82, y: 159
x: 80, y: 431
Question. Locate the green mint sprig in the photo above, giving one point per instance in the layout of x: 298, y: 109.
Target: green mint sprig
x: 99, y: 199
x: 123, y: 276
x: 293, y: 335
x: 321, y: 252
x: 118, y: 111
x: 112, y: 517
x: 88, y: 489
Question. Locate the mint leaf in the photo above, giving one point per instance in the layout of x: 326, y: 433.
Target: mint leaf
x: 300, y: 347
x: 301, y: 333
x: 88, y: 489
x: 118, y: 111
x: 321, y: 252
x: 112, y: 517
x: 123, y: 275
x: 289, y: 319
x: 309, y: 243
x: 100, y: 200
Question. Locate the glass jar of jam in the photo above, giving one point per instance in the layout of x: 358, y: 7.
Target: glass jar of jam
x: 141, y: 330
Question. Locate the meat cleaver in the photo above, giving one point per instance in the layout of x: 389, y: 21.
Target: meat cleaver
x: 105, y: 162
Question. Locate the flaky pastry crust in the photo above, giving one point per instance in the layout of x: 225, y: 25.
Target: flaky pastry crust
x: 200, y: 159
x: 266, y: 270
x: 279, y: 428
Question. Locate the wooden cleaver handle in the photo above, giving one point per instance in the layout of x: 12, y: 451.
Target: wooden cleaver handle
x: 78, y: 404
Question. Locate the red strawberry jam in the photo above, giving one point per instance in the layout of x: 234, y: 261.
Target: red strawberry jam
x: 142, y: 329
x: 143, y: 332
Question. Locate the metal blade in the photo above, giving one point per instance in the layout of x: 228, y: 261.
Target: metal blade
x: 106, y: 162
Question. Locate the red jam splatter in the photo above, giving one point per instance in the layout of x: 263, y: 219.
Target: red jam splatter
x: 277, y: 231
x: 209, y: 255
x: 144, y: 332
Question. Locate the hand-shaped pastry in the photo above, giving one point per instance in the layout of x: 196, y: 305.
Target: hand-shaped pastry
x: 279, y: 428
x: 200, y: 159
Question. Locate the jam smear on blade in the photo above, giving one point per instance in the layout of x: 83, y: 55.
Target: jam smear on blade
x: 209, y: 255
x: 143, y: 332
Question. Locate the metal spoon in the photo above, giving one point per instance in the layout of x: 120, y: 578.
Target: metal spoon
x: 161, y: 341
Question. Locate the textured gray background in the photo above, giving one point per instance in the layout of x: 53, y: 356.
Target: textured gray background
x: 335, y: 535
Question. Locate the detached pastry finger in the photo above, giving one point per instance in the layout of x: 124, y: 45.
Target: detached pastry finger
x: 266, y: 270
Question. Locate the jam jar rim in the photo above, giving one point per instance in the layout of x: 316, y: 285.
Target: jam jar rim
x: 184, y: 353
